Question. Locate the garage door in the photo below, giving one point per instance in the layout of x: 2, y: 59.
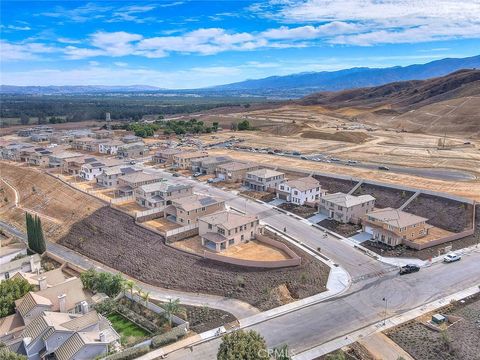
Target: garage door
x: 368, y: 229
x: 221, y: 176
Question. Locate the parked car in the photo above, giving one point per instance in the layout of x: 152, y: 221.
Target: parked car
x: 132, y: 162
x: 452, y: 258
x: 408, y: 269
x: 175, y: 174
x: 383, y: 167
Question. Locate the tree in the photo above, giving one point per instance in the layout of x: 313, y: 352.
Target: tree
x: 110, y: 284
x: 243, y: 125
x: 24, y: 119
x: 243, y: 345
x: 130, y: 285
x: 35, y: 237
x: 11, y: 290
x: 337, y: 355
x: 145, y: 295
x: 7, y: 354
x: 171, y: 308
x: 215, y: 126
x: 281, y: 353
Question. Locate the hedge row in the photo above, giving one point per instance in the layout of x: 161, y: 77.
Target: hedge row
x: 168, y: 338
x: 136, y: 318
x: 129, y: 354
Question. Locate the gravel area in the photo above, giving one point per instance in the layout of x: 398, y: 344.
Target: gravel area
x: 460, y: 341
x: 333, y: 185
x: 444, y: 213
x: 384, y: 196
x: 112, y: 237
x: 345, y: 230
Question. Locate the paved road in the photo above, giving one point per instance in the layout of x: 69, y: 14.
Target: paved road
x: 361, y: 306
x: 355, y: 262
x: 238, y: 308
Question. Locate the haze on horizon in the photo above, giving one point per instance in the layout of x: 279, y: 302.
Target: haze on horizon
x: 192, y: 44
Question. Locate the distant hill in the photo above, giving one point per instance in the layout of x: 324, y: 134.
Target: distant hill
x: 301, y: 84
x: 448, y: 103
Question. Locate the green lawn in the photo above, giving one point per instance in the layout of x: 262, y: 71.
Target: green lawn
x: 125, y: 327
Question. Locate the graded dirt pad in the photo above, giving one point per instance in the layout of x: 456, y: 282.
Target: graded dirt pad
x: 333, y: 185
x: 460, y: 341
x: 384, y: 196
x: 300, y: 210
x: 345, y: 230
x: 58, y: 205
x: 344, y: 136
x: 113, y: 238
x: 444, y: 213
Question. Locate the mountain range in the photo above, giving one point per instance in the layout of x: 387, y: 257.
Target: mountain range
x: 289, y: 86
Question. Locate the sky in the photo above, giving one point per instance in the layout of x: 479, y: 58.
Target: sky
x: 192, y: 44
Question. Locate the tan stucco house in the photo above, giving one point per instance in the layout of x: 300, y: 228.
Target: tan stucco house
x: 393, y: 226
x: 346, y: 208
x: 187, y: 210
x: 223, y: 229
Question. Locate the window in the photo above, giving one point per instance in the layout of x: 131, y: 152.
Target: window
x: 231, y: 242
x: 221, y: 231
x: 340, y: 208
x: 242, y: 237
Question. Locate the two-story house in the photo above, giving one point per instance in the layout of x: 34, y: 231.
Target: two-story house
x: 109, y: 147
x: 300, y: 191
x: 59, y: 158
x: 165, y: 156
x: 209, y: 164
x: 109, y: 176
x: 188, y: 209
x: 89, y: 171
x: 132, y: 150
x: 393, y: 226
x: 183, y: 160
x: 128, y: 183
x: 224, y: 229
x: 346, y: 208
x: 264, y: 179
x: 160, y: 194
x: 234, y: 171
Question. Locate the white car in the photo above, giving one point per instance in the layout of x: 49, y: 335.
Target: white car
x: 452, y: 258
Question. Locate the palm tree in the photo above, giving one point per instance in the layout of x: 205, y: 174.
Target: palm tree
x: 171, y: 308
x: 145, y: 296
x: 130, y: 285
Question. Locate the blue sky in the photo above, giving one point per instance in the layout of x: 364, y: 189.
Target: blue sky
x: 189, y: 44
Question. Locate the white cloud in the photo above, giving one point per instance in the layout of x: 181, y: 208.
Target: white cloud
x: 23, y: 51
x: 380, y: 21
x: 9, y: 28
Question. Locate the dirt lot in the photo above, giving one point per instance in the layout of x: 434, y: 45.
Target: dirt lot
x: 112, y: 237
x: 300, y: 210
x: 444, y: 213
x: 459, y: 342
x: 58, y: 205
x: 469, y: 189
x: 345, y: 230
x: 384, y: 197
x: 344, y: 136
x: 259, y: 195
x: 333, y: 185
x: 354, y: 351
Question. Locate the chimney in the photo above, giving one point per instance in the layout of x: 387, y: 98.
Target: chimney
x: 103, y: 338
x: 62, y: 303
x: 27, y: 341
x: 42, y: 283
x: 32, y: 264
x: 84, y: 306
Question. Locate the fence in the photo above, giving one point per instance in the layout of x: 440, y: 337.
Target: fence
x: 181, y: 233
x: 443, y: 240
x: 122, y: 199
x: 149, y: 214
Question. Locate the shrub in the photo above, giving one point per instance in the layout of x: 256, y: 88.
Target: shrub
x: 110, y: 284
x: 129, y: 354
x: 11, y: 290
x: 168, y: 338
x: 106, y: 307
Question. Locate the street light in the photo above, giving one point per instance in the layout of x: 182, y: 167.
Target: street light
x: 385, y: 313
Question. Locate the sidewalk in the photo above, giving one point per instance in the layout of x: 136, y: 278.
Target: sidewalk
x: 391, y: 322
x: 237, y: 308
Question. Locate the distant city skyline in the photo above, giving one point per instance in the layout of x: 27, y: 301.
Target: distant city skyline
x: 191, y: 44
